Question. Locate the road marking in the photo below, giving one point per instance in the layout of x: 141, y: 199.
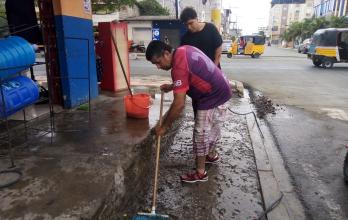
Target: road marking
x: 336, y: 113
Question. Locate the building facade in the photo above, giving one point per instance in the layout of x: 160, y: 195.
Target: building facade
x: 299, y: 12
x: 278, y: 22
x: 141, y: 29
x: 203, y: 10
x: 324, y: 8
x: 282, y: 15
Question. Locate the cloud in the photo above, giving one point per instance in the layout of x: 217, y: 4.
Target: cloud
x: 249, y: 14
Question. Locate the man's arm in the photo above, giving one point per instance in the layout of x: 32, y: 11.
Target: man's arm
x: 167, y: 87
x: 174, y: 112
x: 217, y: 57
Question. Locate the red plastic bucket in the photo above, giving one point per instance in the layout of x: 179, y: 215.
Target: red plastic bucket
x: 138, y: 105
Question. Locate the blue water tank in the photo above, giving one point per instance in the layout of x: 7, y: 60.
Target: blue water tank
x: 15, y: 52
x: 18, y: 92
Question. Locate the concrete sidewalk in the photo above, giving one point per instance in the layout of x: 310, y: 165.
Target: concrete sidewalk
x: 91, y: 167
x: 249, y: 178
x: 102, y: 168
x: 232, y: 191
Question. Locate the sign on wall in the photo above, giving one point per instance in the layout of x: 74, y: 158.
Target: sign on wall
x: 87, y: 6
x: 155, y: 34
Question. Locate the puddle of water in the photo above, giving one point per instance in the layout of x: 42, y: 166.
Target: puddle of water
x: 336, y: 113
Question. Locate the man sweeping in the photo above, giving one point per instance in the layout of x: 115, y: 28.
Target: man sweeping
x: 195, y: 75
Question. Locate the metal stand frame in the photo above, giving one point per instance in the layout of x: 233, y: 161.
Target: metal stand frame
x: 50, y: 77
x: 52, y: 129
x: 9, y: 140
x: 52, y: 113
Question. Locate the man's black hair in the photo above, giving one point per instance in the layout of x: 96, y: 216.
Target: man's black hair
x: 187, y: 14
x: 156, y: 48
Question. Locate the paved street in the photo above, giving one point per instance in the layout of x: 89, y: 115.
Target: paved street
x: 310, y: 138
x: 290, y: 78
x: 285, y: 76
x: 310, y: 124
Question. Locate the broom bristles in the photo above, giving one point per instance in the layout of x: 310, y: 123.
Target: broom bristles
x: 150, y: 216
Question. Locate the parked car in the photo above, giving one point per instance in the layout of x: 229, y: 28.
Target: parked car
x: 304, y: 46
x: 226, y: 44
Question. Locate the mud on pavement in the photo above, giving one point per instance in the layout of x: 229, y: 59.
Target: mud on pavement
x: 232, y: 191
x: 262, y: 104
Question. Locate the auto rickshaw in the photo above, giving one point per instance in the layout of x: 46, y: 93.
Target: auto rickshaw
x: 329, y: 46
x: 253, y: 45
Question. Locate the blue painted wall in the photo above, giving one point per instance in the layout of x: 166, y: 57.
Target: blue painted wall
x: 75, y: 41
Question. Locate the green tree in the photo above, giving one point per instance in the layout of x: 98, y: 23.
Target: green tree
x: 151, y: 7
x: 285, y: 36
x: 337, y: 22
x: 306, y: 28
x: 233, y: 38
x: 4, y: 30
x: 319, y: 23
x: 109, y: 6
x: 2, y: 9
x: 295, y: 30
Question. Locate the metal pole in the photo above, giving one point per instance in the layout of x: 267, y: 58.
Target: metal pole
x: 216, y: 13
x: 339, y: 12
x: 336, y: 8
x: 32, y: 76
x: 25, y: 126
x: 272, y: 24
x: 177, y: 9
x: 89, y: 83
x: 7, y: 126
x: 345, y: 8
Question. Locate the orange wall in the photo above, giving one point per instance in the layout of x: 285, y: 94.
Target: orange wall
x: 75, y: 8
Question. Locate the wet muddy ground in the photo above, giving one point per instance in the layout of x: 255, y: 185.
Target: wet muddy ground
x: 263, y: 104
x: 232, y: 191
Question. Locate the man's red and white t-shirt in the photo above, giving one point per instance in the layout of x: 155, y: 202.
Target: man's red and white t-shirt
x: 196, y: 75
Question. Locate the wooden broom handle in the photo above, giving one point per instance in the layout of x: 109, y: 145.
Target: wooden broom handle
x: 157, y: 157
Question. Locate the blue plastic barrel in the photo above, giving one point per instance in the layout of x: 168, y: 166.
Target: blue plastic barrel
x: 18, y: 92
x: 16, y: 54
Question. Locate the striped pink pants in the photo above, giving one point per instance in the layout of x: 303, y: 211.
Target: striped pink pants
x: 206, y: 130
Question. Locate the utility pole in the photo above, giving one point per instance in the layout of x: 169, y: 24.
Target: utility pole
x: 177, y: 9
x: 216, y: 13
x: 336, y: 8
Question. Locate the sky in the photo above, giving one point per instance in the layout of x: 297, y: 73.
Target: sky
x: 249, y: 14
